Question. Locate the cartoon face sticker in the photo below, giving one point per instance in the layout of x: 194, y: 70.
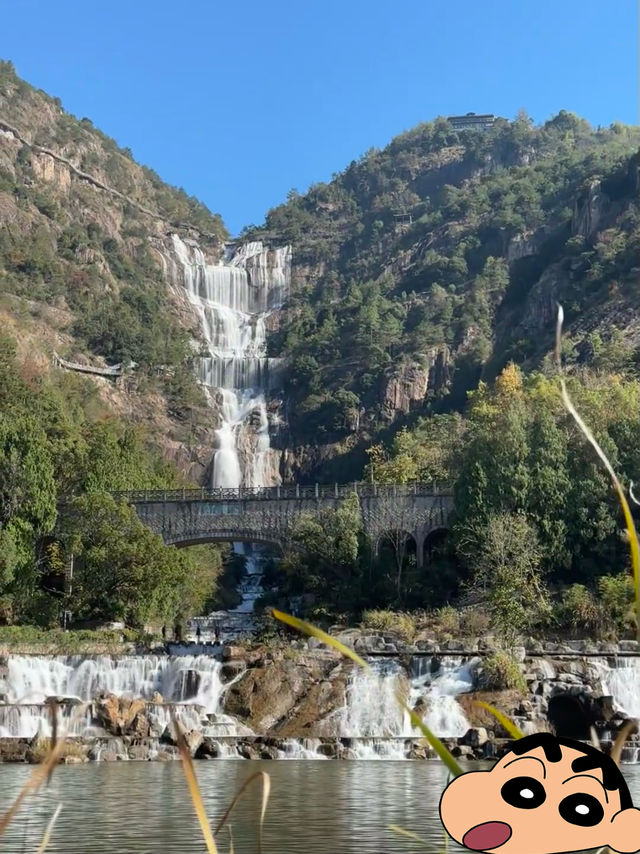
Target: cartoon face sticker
x: 546, y: 795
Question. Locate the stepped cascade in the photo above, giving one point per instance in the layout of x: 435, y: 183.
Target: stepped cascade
x: 232, y: 300
x: 193, y: 688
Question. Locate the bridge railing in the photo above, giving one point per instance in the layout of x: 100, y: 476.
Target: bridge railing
x: 283, y: 493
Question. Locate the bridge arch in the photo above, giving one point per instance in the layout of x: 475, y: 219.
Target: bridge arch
x: 431, y: 541
x: 230, y: 536
x: 266, y: 514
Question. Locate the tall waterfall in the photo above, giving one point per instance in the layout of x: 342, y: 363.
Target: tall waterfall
x: 232, y: 300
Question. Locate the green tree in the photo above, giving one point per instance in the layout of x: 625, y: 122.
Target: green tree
x: 506, y: 557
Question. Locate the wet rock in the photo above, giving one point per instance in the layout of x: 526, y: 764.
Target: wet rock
x: 157, y: 698
x: 209, y: 748
x: 190, y: 684
x: 194, y: 739
x: 122, y: 716
x: 14, y: 749
x: 462, y: 750
x: 74, y: 760
x: 476, y: 737
x: 628, y: 646
x: 231, y: 669
x: 604, y: 708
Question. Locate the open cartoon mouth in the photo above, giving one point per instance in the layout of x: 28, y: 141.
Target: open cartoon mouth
x: 484, y: 837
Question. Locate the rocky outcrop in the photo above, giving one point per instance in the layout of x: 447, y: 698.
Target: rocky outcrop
x: 288, y: 697
x: 122, y: 716
x: 407, y: 385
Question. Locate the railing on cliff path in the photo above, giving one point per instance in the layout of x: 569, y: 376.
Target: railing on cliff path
x: 289, y: 492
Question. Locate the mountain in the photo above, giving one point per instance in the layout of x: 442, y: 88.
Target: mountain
x: 81, y: 275
x: 420, y: 269
x: 428, y: 265
x: 395, y: 323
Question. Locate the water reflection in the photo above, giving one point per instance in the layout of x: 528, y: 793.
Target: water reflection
x: 315, y: 808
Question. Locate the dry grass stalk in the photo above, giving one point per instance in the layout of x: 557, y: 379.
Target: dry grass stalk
x: 628, y: 729
x: 513, y: 730
x: 39, y: 775
x: 47, y: 834
x: 266, y: 790
x: 192, y: 783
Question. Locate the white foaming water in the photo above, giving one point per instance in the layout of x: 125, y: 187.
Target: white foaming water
x: 622, y: 682
x: 29, y: 720
x: 439, y: 690
x: 372, y: 708
x: 231, y: 300
x: 376, y: 722
x: 191, y: 685
x: 186, y: 679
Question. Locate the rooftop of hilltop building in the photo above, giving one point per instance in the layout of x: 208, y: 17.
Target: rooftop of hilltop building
x: 473, y: 121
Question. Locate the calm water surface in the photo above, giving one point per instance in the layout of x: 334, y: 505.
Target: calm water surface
x: 315, y: 807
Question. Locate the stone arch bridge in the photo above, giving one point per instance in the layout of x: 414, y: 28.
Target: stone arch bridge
x: 266, y: 514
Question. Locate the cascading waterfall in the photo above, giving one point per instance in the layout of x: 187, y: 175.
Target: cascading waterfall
x: 623, y: 684
x: 190, y: 685
x: 438, y: 691
x: 232, y: 300
x: 376, y: 722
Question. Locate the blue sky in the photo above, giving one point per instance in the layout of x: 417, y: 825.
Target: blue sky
x: 238, y: 102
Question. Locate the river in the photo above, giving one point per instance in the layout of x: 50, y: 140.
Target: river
x: 316, y: 807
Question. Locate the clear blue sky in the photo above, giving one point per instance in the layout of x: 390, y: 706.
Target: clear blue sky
x: 238, y: 102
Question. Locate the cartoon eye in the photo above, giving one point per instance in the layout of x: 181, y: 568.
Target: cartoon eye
x: 581, y: 809
x: 524, y: 793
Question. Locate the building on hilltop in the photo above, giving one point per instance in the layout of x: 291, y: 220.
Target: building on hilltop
x: 472, y: 121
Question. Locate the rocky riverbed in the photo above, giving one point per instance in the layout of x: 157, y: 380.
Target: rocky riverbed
x: 305, y: 701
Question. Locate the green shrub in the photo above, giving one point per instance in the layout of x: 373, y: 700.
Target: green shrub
x: 448, y: 620
x: 475, y: 622
x: 577, y: 609
x: 390, y: 621
x: 501, y: 672
x: 616, y: 602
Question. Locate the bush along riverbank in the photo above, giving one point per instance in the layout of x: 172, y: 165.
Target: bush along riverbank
x: 303, y: 700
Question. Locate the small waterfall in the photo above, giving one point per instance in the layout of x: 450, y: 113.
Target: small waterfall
x: 377, y: 723
x: 372, y: 708
x: 622, y: 682
x: 438, y: 690
x: 190, y: 685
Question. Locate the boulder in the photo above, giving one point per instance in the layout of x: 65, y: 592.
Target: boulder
x: 209, y: 749
x: 122, y: 716
x: 476, y: 737
x: 231, y: 669
x: 287, y: 697
x: 14, y: 749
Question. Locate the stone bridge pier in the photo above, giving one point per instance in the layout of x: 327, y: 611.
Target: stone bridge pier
x: 267, y: 514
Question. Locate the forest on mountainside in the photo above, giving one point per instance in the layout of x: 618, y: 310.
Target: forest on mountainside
x: 504, y: 224
x: 417, y: 339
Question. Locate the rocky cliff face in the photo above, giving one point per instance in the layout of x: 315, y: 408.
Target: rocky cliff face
x: 81, y: 223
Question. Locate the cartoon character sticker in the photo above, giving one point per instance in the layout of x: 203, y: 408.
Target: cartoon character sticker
x: 546, y: 795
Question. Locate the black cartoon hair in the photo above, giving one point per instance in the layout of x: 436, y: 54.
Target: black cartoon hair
x: 592, y: 758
